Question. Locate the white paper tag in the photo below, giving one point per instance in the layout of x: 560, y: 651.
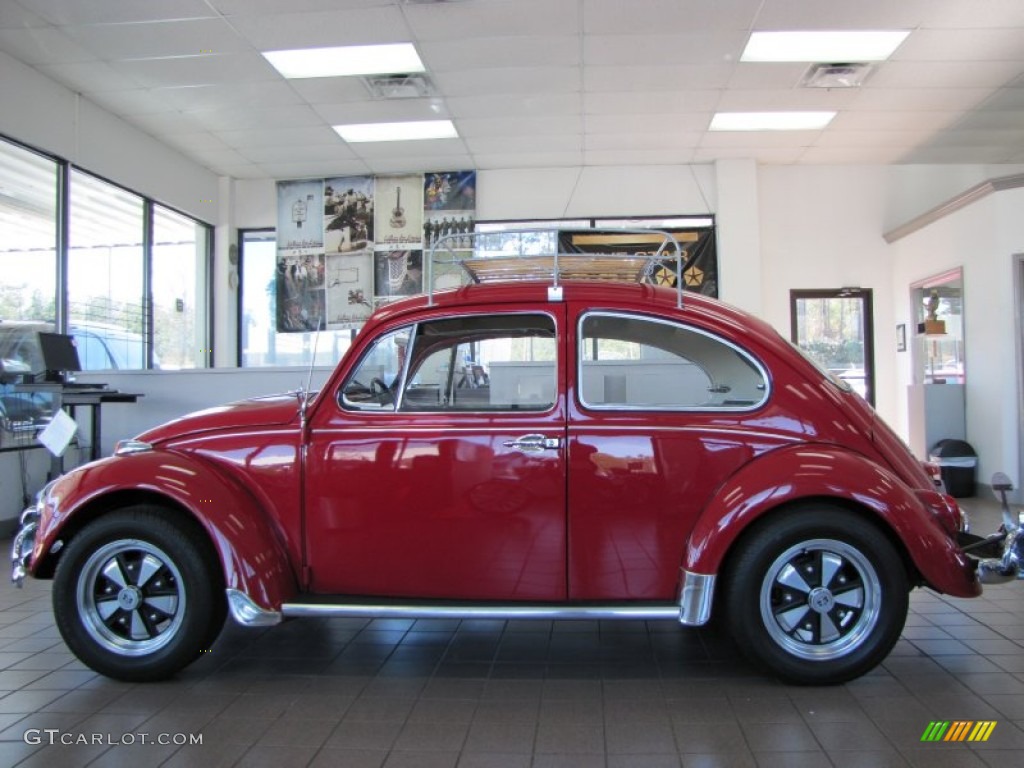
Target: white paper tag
x: 58, y: 433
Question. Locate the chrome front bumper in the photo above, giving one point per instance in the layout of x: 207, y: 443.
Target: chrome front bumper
x: 24, y: 541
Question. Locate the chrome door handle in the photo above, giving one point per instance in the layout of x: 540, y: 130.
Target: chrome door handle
x: 533, y: 443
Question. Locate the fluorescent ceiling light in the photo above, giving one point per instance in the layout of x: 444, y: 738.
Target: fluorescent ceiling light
x: 348, y: 60
x: 407, y: 131
x: 770, y: 121
x: 837, y: 45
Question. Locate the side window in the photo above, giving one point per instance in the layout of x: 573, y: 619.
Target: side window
x: 373, y: 384
x: 482, y: 363
x: 636, y: 362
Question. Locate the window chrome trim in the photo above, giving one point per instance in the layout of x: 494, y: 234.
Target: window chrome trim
x: 748, y: 356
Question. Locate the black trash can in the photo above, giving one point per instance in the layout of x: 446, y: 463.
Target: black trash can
x: 958, y: 464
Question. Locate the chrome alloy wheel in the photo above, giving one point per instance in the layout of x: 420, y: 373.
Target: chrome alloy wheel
x: 130, y: 597
x: 820, y: 599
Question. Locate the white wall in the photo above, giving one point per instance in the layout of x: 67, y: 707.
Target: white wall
x: 982, y: 239
x: 41, y: 113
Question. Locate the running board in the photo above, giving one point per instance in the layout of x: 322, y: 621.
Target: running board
x: 652, y: 612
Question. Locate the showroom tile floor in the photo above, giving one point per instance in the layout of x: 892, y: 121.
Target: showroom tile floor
x: 437, y: 694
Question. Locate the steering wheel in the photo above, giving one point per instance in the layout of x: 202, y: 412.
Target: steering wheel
x: 380, y: 390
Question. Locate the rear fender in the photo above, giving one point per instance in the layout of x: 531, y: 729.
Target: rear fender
x: 796, y: 474
x: 249, y: 545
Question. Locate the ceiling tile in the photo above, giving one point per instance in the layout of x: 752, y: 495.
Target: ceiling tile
x: 638, y: 157
x: 246, y: 171
x: 665, y: 140
x: 15, y: 16
x: 863, y: 14
x: 770, y: 75
x: 513, y: 18
x: 874, y: 155
x: 767, y: 139
x: 772, y: 156
x: 285, y: 31
x: 130, y: 103
x: 158, y: 39
x: 409, y: 148
x: 514, y: 105
x: 330, y: 90
x: 263, y: 7
x: 657, y: 78
x: 833, y: 139
x: 190, y: 98
x: 928, y: 99
x: 663, y: 49
x: 500, y: 52
x: 771, y: 100
x: 963, y: 45
x: 641, y: 124
x: 89, y: 76
x: 991, y: 119
x: 536, y: 160
x: 520, y: 126
x: 892, y: 121
x: 602, y: 17
x: 259, y: 137
x: 995, y: 13
x: 945, y: 74
x: 197, y: 70
x: 420, y: 163
x: 299, y: 153
x: 166, y: 123
x: 941, y: 155
x: 629, y: 103
x: 242, y: 118
x: 63, y: 12
x: 348, y: 166
x: 531, y: 80
x: 44, y: 45
x: 383, y: 111
x: 493, y: 145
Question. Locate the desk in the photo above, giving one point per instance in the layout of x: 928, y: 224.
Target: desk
x: 73, y: 397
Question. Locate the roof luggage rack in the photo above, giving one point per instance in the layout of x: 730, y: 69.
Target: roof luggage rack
x: 507, y: 256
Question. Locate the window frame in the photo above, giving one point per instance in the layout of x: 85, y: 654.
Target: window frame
x: 751, y: 359
x: 396, y: 406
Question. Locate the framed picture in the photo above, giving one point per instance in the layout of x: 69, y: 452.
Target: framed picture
x: 901, y: 337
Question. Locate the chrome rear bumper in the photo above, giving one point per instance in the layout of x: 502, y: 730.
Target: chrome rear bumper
x: 24, y: 541
x: 1000, y: 557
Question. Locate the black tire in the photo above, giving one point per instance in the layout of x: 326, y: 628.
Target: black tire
x: 818, y: 595
x: 138, y: 594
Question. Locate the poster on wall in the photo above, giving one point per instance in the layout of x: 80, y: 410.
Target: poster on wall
x: 398, y: 273
x: 449, y: 205
x: 398, y: 209
x: 700, y: 255
x: 300, y: 295
x: 348, y: 240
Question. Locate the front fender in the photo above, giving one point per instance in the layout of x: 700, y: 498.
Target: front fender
x: 794, y: 474
x: 249, y: 545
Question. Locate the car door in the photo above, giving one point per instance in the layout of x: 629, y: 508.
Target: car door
x: 437, y: 467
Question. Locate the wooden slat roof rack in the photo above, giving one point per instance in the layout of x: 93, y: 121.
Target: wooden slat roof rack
x: 511, y: 256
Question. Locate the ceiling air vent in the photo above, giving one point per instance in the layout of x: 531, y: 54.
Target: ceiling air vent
x: 399, y: 86
x: 836, y: 75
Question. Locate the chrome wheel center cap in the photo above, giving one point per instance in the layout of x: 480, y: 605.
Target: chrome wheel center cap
x: 129, y: 598
x: 821, y: 600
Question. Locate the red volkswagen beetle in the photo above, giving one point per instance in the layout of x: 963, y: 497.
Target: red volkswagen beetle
x: 551, y: 448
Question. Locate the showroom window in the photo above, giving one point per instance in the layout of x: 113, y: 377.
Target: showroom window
x: 105, y: 267
x: 180, y: 308
x: 636, y: 362
x: 28, y: 223
x: 121, y: 248
x: 260, y: 344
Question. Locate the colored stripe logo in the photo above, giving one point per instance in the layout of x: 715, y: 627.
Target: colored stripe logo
x: 958, y: 730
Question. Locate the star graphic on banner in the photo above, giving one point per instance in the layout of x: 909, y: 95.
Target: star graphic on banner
x: 693, y: 277
x: 663, y: 276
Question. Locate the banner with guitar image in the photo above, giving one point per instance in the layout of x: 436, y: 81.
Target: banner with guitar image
x: 368, y: 245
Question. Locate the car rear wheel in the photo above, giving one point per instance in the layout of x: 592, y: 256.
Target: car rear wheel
x: 138, y: 594
x: 818, y: 595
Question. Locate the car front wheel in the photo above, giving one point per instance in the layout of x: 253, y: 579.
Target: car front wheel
x: 136, y: 594
x: 818, y: 595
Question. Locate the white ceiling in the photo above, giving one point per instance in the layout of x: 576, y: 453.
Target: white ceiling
x: 533, y: 83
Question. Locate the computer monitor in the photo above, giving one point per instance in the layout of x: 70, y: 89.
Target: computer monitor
x: 59, y: 355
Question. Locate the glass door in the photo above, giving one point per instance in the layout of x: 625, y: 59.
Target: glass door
x: 835, y: 328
